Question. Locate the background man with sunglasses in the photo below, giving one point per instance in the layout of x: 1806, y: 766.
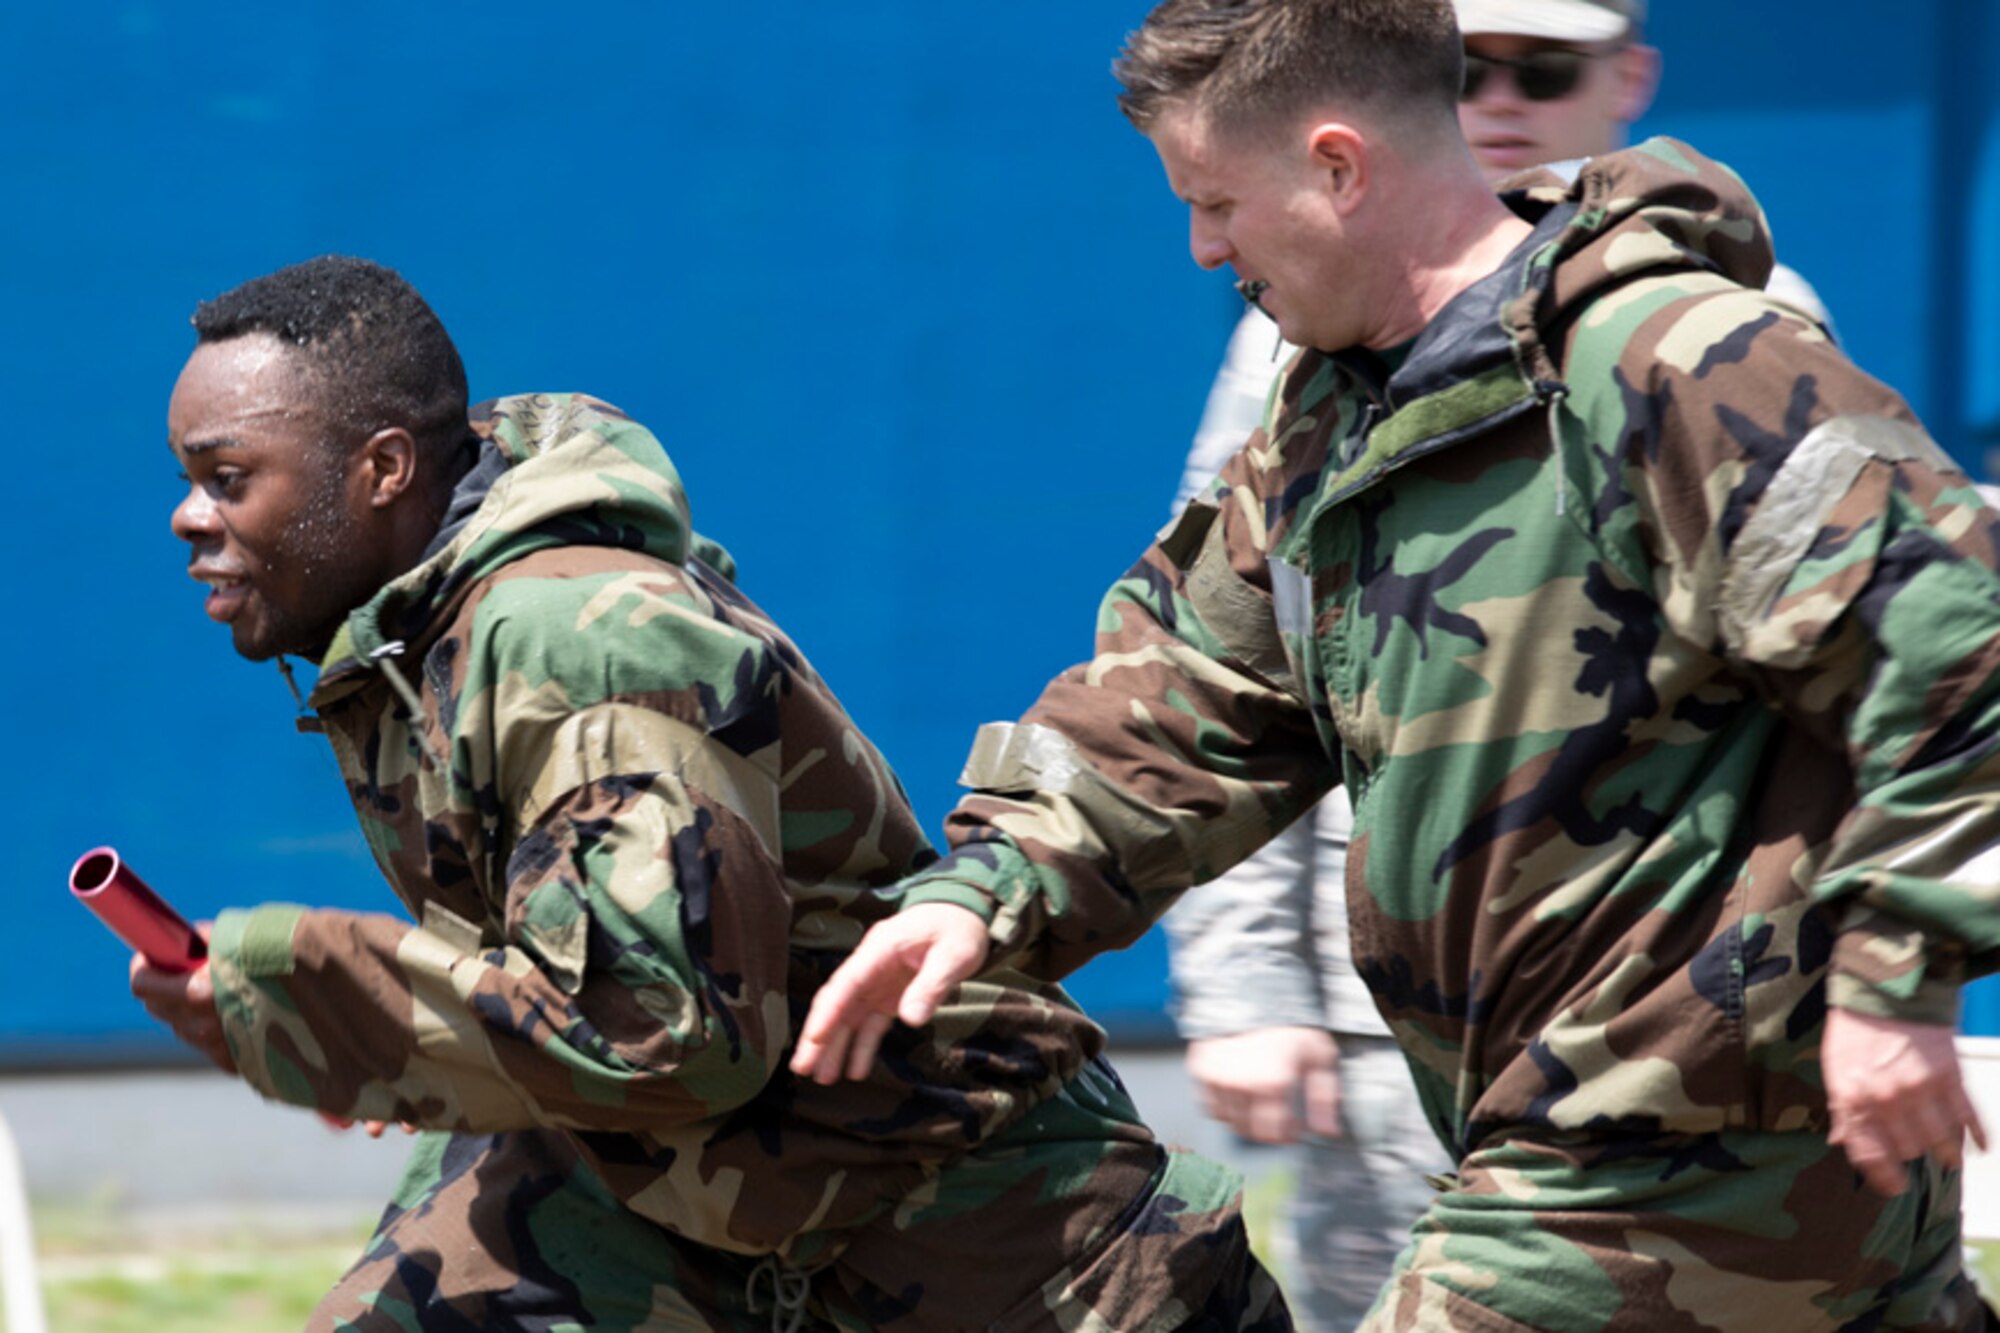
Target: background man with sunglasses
x: 1551, y: 80
x: 1284, y: 1044
x: 1557, y: 80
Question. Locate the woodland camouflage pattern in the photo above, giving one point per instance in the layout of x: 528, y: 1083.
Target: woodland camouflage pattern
x: 638, y: 831
x: 1660, y: 652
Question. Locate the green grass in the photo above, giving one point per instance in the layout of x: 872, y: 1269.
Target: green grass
x: 102, y: 1274
x: 1264, y: 1212
x: 273, y: 1292
x: 1986, y: 1268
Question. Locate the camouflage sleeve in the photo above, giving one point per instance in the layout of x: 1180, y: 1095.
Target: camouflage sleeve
x: 633, y: 974
x: 1178, y: 750
x: 1810, y: 534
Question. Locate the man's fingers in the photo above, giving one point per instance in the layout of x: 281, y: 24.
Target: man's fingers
x: 905, y: 965
x: 867, y: 1043
x: 837, y: 1012
x: 1904, y: 1129
x: 838, y: 1006
x: 948, y: 962
x: 1269, y: 1119
x: 1872, y: 1156
x: 1970, y: 1115
x: 1322, y: 1096
x: 1938, y: 1130
x: 806, y: 1056
x: 1887, y: 1178
x: 822, y: 1060
x: 1224, y: 1105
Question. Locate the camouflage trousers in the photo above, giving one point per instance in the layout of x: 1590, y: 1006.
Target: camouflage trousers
x: 1069, y: 1221
x: 1732, y: 1233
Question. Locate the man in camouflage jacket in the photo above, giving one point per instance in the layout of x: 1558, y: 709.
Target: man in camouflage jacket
x: 636, y: 830
x: 1657, y: 647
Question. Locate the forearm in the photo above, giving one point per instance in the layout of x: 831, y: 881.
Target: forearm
x: 1061, y: 875
x: 367, y: 1017
x: 616, y: 987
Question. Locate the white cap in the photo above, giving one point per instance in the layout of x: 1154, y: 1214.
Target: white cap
x: 1556, y: 20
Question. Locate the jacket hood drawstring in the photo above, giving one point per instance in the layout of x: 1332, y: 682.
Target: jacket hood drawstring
x: 1554, y: 393
x: 384, y: 657
x: 790, y: 1290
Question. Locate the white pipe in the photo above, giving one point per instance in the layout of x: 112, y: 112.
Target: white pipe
x: 1979, y: 1058
x: 22, y: 1286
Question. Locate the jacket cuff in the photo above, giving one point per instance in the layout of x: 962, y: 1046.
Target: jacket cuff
x: 992, y: 880
x: 1887, y: 968
x: 250, y: 955
x: 957, y: 892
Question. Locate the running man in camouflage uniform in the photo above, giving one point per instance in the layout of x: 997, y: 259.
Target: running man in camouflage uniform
x: 637, y: 831
x: 1657, y: 646
x: 1264, y: 981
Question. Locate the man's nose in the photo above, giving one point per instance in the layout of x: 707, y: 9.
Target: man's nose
x: 1207, y: 243
x: 194, y: 517
x: 1496, y: 91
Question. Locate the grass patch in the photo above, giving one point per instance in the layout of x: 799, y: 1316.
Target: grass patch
x: 1264, y: 1200
x: 1986, y: 1268
x: 183, y: 1296
x: 105, y: 1271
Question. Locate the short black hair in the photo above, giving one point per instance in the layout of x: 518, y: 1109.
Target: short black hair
x: 376, y: 353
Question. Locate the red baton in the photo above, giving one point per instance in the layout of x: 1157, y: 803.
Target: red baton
x: 101, y: 881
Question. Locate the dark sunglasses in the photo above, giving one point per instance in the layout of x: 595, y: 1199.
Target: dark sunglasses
x: 1542, y: 76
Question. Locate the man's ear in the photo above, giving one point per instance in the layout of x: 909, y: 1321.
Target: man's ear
x: 1340, y: 150
x: 1638, y: 69
x: 388, y: 465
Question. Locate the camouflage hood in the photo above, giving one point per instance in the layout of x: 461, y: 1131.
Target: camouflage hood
x: 552, y: 470
x: 1494, y: 351
x: 1658, y: 209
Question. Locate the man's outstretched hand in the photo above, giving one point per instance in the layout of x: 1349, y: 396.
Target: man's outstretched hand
x: 903, y: 968
x: 1896, y: 1094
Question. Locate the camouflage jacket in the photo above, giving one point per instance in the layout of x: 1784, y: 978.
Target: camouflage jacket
x: 637, y: 831
x: 1655, y: 643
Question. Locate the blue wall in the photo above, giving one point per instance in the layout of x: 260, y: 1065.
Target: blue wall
x: 904, y: 296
